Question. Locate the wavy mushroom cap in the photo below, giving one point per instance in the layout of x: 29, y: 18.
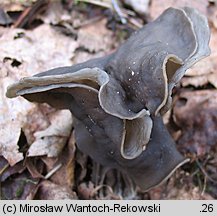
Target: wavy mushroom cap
x: 117, y: 100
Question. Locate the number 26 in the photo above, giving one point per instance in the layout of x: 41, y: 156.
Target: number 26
x: 207, y: 208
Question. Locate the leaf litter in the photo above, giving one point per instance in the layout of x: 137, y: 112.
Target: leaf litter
x: 45, y: 164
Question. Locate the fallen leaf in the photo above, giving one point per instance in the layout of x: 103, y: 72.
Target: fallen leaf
x: 8, y: 171
x: 51, y: 141
x: 50, y: 191
x: 35, y: 49
x: 12, y: 116
x: 95, y: 37
x: 65, y: 174
x: 55, y: 14
x: 24, y: 53
x: 140, y: 6
x: 35, y: 167
x: 195, y: 113
x: 15, y: 5
x: 212, y: 13
x: 36, y: 120
x: 18, y: 187
x: 200, y: 81
x: 85, y: 190
x: 4, y: 18
x: 205, y: 71
x: 158, y: 6
x: 81, y: 56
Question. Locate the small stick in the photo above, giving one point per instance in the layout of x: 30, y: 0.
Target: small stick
x: 30, y: 13
x: 105, y: 4
x: 118, y: 11
x: 4, y: 168
x: 204, y: 172
x: 53, y: 171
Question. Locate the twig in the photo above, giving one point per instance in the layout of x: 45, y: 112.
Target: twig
x: 53, y: 171
x: 1, y: 172
x: 135, y: 23
x: 30, y: 13
x: 4, y: 168
x: 204, y: 172
x: 119, y: 12
x: 112, y: 4
x: 99, y: 187
x: 89, y: 22
x: 105, y: 4
x: 204, y: 186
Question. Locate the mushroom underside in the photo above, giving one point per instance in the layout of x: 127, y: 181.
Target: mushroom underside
x: 103, y: 143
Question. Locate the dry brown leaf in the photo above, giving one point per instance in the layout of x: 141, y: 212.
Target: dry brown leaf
x: 205, y: 66
x: 205, y: 71
x: 158, y: 6
x: 51, y: 141
x: 85, y: 190
x: 7, y: 171
x: 95, y: 37
x: 15, y: 5
x: 140, y: 6
x: 55, y: 14
x: 38, y: 50
x: 36, y: 120
x: 65, y: 174
x: 50, y: 191
x: 82, y: 56
x: 24, y: 53
x: 212, y: 13
x: 12, y: 115
x: 196, y: 114
x: 4, y: 18
x: 95, y: 40
x: 35, y: 167
x: 200, y: 81
x: 18, y: 187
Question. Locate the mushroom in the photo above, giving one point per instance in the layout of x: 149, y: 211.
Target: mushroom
x: 118, y: 100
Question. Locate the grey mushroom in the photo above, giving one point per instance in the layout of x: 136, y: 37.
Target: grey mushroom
x: 117, y: 101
